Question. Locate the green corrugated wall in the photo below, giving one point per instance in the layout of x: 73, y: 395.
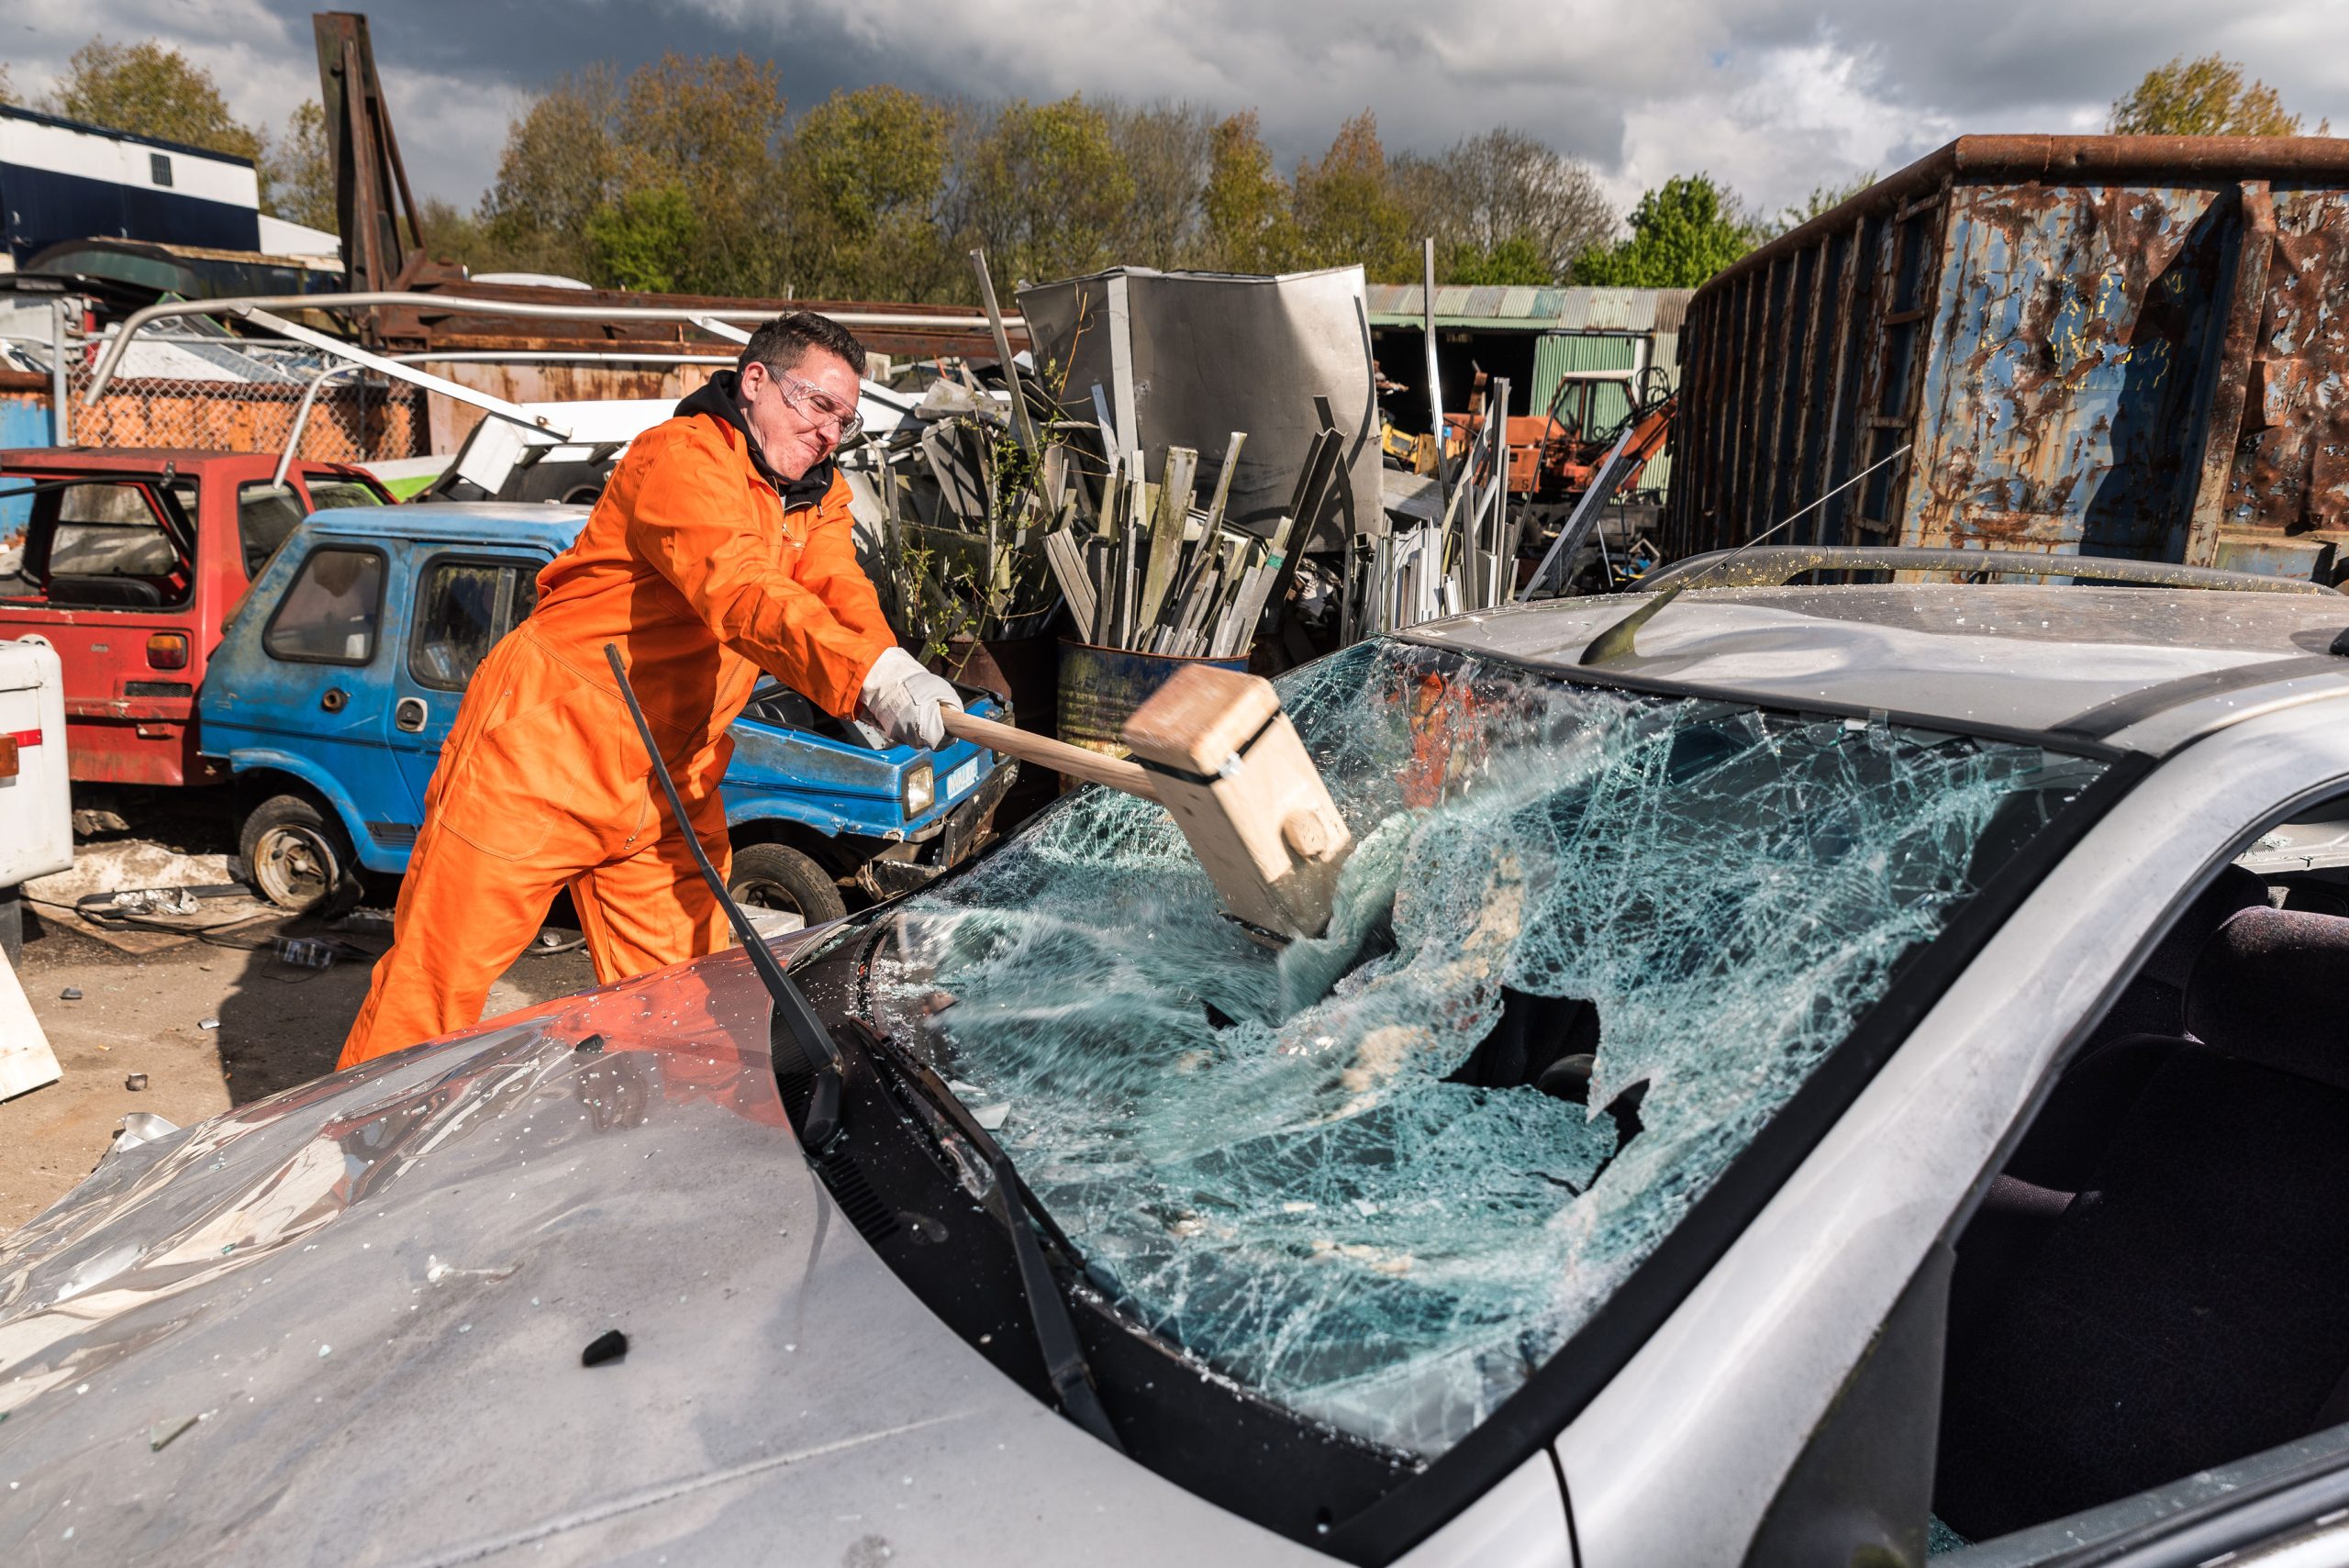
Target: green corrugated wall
x: 1556, y: 353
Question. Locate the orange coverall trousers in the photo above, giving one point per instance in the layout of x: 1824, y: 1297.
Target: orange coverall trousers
x: 703, y: 572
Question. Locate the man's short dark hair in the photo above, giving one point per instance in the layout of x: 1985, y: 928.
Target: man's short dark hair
x: 782, y: 343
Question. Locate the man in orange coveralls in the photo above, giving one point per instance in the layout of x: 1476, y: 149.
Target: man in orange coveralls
x: 720, y: 548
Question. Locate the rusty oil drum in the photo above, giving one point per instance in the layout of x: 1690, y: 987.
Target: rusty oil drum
x: 1100, y: 688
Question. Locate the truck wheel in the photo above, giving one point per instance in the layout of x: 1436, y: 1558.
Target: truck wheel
x: 11, y: 925
x: 296, y: 854
x: 776, y: 876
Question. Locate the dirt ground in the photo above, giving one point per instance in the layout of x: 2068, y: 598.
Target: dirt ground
x: 278, y: 1025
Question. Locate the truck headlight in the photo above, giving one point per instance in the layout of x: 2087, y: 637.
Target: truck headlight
x: 921, y: 789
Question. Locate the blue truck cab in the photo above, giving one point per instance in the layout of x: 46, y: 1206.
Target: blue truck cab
x: 338, y: 678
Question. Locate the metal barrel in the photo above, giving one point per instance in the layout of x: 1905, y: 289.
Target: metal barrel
x: 1100, y: 688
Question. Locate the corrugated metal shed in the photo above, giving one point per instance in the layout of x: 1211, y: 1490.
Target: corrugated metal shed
x: 1529, y: 309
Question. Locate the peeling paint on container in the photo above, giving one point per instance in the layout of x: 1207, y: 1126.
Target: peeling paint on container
x: 2115, y: 346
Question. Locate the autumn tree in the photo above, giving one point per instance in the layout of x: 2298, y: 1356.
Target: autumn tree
x: 1049, y: 192
x: 8, y: 88
x: 711, y: 128
x: 1504, y: 208
x: 2202, y: 97
x: 1681, y: 233
x: 1168, y: 151
x: 561, y: 165
x: 864, y: 176
x: 298, y: 172
x: 1245, y: 224
x: 1346, y: 209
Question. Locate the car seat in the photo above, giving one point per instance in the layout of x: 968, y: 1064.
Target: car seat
x: 2190, y: 1304
x: 81, y: 591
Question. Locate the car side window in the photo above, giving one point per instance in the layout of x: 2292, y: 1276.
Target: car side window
x: 2150, y: 1306
x: 326, y: 494
x: 330, y: 614
x: 111, y: 528
x: 266, y: 513
x: 463, y: 608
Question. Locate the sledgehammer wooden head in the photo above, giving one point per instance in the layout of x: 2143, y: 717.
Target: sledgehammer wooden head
x: 1227, y: 762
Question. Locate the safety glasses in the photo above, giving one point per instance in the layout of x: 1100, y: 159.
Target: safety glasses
x: 817, y: 403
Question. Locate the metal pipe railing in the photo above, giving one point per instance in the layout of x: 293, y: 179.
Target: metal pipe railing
x: 473, y: 356
x: 253, y: 307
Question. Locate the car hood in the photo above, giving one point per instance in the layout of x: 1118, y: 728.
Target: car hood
x: 347, y: 1322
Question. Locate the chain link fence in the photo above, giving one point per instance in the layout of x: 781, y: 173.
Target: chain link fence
x: 242, y: 395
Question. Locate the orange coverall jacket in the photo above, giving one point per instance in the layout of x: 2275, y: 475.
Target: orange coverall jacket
x: 705, y: 568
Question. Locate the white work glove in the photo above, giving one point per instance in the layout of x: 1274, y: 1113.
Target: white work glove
x: 906, y: 701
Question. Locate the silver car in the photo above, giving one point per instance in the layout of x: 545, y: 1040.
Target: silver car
x: 1856, y: 1072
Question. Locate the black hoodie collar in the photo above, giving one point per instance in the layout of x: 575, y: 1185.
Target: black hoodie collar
x: 720, y: 398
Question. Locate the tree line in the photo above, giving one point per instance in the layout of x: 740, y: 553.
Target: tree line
x: 693, y: 174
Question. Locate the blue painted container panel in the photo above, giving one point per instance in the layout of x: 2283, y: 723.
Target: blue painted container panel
x: 24, y: 422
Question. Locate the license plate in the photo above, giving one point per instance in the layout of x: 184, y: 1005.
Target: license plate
x: 961, y: 778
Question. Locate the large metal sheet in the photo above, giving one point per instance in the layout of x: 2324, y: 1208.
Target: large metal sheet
x: 1215, y: 352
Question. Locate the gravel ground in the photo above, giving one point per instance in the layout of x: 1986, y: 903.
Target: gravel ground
x: 278, y: 1025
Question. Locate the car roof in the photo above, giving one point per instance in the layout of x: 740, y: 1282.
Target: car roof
x: 473, y: 522
x: 2065, y: 661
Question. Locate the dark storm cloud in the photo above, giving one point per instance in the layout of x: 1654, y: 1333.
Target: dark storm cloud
x: 1773, y: 95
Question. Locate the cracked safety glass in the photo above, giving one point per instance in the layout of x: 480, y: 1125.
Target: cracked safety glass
x: 1588, y: 944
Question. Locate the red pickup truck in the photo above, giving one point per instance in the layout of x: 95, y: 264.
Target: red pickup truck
x: 128, y: 565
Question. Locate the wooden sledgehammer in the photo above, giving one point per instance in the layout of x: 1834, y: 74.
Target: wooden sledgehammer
x: 1216, y: 750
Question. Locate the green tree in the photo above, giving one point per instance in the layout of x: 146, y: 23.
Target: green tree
x: 299, y: 178
x: 1047, y: 190
x: 1346, y: 207
x: 1245, y: 219
x: 147, y: 89
x: 1516, y: 260
x: 2202, y: 97
x: 865, y: 174
x: 1681, y: 235
x: 648, y: 239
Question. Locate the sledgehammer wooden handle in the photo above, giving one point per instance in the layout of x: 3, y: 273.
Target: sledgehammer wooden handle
x: 1046, y: 752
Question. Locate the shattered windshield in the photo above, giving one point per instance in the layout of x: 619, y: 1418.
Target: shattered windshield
x: 1588, y: 944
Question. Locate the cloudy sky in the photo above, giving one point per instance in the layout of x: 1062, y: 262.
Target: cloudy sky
x: 1773, y: 96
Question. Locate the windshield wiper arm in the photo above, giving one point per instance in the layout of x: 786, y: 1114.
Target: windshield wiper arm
x: 1011, y: 1202
x: 815, y: 1041
x: 1064, y: 1363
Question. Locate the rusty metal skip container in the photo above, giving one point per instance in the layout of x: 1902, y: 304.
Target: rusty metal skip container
x: 2113, y: 346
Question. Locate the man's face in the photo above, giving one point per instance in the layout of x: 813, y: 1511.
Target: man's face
x: 792, y: 432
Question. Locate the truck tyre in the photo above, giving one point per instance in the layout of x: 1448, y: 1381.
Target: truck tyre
x: 11, y: 925
x: 776, y: 876
x: 297, y: 854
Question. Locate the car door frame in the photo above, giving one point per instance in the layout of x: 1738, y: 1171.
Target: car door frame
x: 439, y: 702
x: 1679, y: 1456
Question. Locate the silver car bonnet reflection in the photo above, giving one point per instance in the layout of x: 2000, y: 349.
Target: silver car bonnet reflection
x: 345, y: 1324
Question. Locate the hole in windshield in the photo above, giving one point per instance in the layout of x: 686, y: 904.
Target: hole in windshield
x: 1588, y: 944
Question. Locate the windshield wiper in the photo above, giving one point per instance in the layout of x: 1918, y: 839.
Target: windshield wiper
x: 1011, y: 1201
x: 822, y: 1121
